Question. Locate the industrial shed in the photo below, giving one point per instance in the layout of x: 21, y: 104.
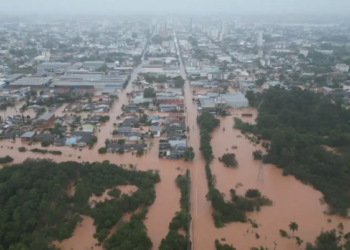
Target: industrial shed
x: 236, y: 100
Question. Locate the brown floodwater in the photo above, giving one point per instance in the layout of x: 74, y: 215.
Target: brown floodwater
x: 82, y: 238
x: 293, y: 201
x: 127, y: 189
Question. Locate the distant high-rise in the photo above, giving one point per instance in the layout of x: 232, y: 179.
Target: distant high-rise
x: 260, y: 41
x: 223, y: 29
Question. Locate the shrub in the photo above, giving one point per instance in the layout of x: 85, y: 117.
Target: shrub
x: 258, y: 155
x: 45, y: 151
x: 140, y: 152
x: 102, y: 150
x: 22, y: 149
x: 45, y: 143
x: 283, y: 234
x: 252, y: 193
x: 229, y: 160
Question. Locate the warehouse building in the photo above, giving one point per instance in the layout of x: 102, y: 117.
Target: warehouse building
x: 93, y: 65
x: 236, y: 100
x: 52, y: 68
x: 13, y: 78
x: 33, y: 82
x: 207, y: 104
x: 91, y: 81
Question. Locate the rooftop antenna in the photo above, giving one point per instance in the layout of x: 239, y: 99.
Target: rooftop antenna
x: 261, y: 172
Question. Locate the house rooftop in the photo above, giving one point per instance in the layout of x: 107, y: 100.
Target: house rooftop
x: 31, y: 81
x: 46, y: 116
x: 28, y: 134
x: 207, y: 102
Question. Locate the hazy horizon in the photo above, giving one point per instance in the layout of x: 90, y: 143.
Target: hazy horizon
x: 108, y: 7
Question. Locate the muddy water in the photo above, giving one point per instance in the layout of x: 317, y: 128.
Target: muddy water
x: 293, y: 201
x: 82, y: 238
x: 128, y: 189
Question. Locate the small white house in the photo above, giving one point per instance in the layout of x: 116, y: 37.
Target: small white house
x: 134, y: 136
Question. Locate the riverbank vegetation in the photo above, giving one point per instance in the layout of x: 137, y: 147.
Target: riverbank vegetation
x: 224, y: 211
x: 298, y: 122
x: 219, y: 246
x: 43, y: 210
x: 174, y: 240
x: 6, y: 159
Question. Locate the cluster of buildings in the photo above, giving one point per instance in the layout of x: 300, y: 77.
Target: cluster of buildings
x: 89, y: 54
x: 248, y: 56
x: 156, y: 104
x: 70, y: 130
x: 114, y: 78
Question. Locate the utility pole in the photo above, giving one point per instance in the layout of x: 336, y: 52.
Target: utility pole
x: 261, y: 171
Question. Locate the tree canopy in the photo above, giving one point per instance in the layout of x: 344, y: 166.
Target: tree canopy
x: 148, y: 93
x: 328, y: 241
x: 36, y: 208
x: 298, y: 123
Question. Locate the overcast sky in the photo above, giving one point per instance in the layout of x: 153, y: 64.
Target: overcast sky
x: 174, y: 6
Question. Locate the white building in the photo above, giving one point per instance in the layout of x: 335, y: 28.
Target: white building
x: 224, y: 58
x: 304, y: 52
x: 342, y: 67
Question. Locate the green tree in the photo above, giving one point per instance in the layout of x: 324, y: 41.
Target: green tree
x: 293, y: 227
x: 260, y: 81
x: 149, y: 93
x: 189, y: 154
x: 102, y: 150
